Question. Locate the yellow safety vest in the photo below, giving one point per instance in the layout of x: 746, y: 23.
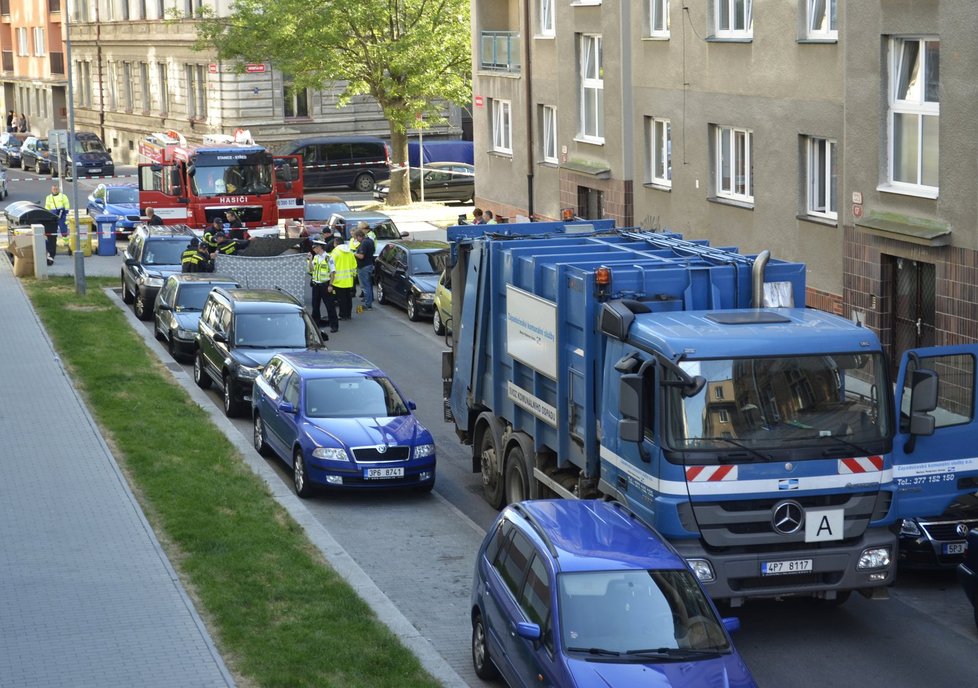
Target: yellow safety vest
x: 56, y: 202
x: 321, y: 267
x: 346, y: 267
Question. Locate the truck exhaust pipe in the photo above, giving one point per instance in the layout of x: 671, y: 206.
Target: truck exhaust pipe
x: 757, y: 278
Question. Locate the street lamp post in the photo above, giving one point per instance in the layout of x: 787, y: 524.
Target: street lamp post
x: 78, y: 254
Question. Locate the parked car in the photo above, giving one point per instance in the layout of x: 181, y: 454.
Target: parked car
x: 441, y: 316
x: 316, y: 214
x: 10, y: 145
x: 357, y: 162
x: 443, y: 181
x: 938, y: 542
x: 406, y: 272
x: 968, y: 571
x: 4, y: 192
x: 581, y: 593
x: 121, y: 200
x: 239, y: 331
x: 35, y: 155
x: 153, y: 254
x: 340, y: 423
x: 88, y: 156
x: 178, y: 308
x: 382, y: 225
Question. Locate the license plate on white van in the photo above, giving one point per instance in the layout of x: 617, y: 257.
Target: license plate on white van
x: 383, y: 473
x: 784, y: 568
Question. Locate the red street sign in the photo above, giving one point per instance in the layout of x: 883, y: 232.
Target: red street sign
x: 857, y: 210
x: 479, y: 102
x: 254, y: 68
x: 212, y: 68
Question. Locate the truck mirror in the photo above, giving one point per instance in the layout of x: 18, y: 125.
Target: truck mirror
x: 631, y: 427
x: 923, y: 400
x: 615, y: 319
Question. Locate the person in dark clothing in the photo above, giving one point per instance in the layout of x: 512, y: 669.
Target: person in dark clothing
x: 10, y: 121
x: 152, y: 218
x: 364, y: 253
x: 235, y: 226
x: 210, y: 233
x: 193, y: 259
x: 227, y: 245
x: 321, y: 273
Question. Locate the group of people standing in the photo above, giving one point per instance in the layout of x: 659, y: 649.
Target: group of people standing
x: 332, y: 268
x: 199, y: 254
x: 17, y: 122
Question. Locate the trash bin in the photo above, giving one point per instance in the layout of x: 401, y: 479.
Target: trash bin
x: 106, y: 234
x: 25, y: 213
x: 88, y: 227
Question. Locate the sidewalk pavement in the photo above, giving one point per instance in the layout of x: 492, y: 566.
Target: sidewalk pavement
x: 87, y: 595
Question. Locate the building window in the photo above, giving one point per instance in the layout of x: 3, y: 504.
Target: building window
x: 296, y: 100
x: 914, y: 113
x: 39, y: 41
x: 592, y: 89
x: 822, y: 176
x: 734, y: 152
x: 160, y: 9
x: 659, y: 18
x: 83, y: 72
x: 113, y: 79
x: 718, y: 392
x: 547, y: 18
x: 548, y: 120
x: 127, y: 86
x: 164, y: 80
x: 191, y: 7
x: 733, y: 18
x: 144, y: 86
x: 196, y: 96
x: 142, y: 9
x: 502, y: 126
x: 660, y: 155
x: 821, y: 21
x: 22, y: 48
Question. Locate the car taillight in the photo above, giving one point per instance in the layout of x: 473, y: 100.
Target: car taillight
x: 387, y: 153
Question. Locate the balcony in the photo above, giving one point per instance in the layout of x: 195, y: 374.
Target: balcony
x: 8, y: 61
x: 57, y: 63
x: 500, y: 51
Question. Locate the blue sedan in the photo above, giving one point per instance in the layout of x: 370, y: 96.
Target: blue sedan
x: 120, y: 200
x: 340, y: 423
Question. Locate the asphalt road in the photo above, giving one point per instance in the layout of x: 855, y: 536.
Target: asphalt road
x: 419, y: 550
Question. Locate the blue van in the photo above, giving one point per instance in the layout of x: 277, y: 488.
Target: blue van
x: 88, y: 157
x: 356, y: 162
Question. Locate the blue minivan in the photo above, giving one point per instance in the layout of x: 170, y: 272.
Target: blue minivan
x: 580, y: 593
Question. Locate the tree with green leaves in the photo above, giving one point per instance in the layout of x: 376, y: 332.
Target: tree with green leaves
x: 411, y: 56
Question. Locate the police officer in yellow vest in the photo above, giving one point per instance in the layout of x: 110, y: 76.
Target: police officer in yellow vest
x: 321, y: 273
x: 346, y: 270
x: 58, y: 204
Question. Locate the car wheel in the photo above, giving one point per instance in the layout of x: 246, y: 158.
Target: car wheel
x: 363, y: 182
x: 300, y: 481
x: 230, y: 403
x: 158, y: 333
x: 412, y: 310
x: 259, y: 437
x: 489, y: 461
x: 481, y: 661
x: 139, y: 306
x: 126, y: 296
x: 381, y: 298
x: 171, y: 347
x: 201, y: 377
x: 437, y: 324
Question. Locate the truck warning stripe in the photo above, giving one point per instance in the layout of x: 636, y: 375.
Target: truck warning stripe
x: 863, y: 464
x: 704, y: 474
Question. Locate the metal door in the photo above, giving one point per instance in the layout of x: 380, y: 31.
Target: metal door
x: 914, y: 288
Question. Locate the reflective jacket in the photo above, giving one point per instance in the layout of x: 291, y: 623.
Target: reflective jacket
x: 322, y: 266
x: 57, y: 202
x: 346, y: 266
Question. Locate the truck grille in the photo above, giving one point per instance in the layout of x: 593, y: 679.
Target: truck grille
x: 371, y: 455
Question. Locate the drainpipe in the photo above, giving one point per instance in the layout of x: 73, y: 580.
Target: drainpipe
x: 528, y: 102
x: 98, y: 66
x: 757, y: 278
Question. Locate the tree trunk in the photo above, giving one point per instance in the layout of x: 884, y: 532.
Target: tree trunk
x: 400, y: 192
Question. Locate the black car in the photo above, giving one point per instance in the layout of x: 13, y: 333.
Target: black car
x: 178, y: 308
x: 968, y: 571
x: 938, y: 542
x: 153, y: 254
x: 10, y: 145
x: 36, y: 155
x: 443, y: 181
x: 406, y: 273
x: 239, y: 332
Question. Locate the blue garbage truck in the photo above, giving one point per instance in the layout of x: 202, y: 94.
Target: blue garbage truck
x: 769, y: 442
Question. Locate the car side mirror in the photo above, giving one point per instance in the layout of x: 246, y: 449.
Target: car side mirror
x: 131, y: 262
x: 731, y: 623
x: 405, y: 235
x: 286, y: 407
x: 220, y: 337
x: 530, y: 631
x: 109, y: 151
x: 411, y: 405
x: 160, y: 306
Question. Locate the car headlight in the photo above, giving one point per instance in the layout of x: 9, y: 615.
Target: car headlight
x: 184, y: 334
x: 423, y: 450
x: 426, y: 296
x: 703, y: 570
x: 248, y: 373
x: 330, y: 453
x: 152, y: 281
x: 874, y: 558
x: 910, y: 528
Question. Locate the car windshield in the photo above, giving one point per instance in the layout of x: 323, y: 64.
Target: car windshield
x: 122, y: 196
x: 192, y: 295
x: 353, y: 396
x: 42, y: 146
x: 14, y: 142
x: 273, y: 330
x: 428, y: 262
x: 320, y: 212
x: 87, y: 145
x: 163, y: 252
x: 232, y: 179
x: 639, y: 612
x: 386, y: 230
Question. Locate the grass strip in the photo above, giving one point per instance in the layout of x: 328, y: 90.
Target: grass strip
x: 279, y: 614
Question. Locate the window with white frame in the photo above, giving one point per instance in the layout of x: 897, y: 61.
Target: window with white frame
x: 112, y: 82
x: 734, y: 150
x: 502, y: 126
x: 196, y: 95
x: 144, y: 86
x: 820, y: 19
x: 592, y: 89
x: 547, y: 18
x: 660, y: 136
x: 163, y: 78
x: 548, y: 122
x: 39, y: 41
x: 733, y: 18
x: 914, y: 113
x: 22, y: 48
x: 659, y: 18
x: 127, y: 86
x: 822, y: 182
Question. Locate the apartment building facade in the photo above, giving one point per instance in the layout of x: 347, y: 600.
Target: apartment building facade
x: 761, y: 124
x: 32, y: 62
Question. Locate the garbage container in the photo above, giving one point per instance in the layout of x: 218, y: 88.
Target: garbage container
x: 24, y: 214
x: 106, y: 234
x: 88, y: 227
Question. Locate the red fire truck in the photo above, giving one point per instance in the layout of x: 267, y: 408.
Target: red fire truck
x: 189, y: 184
